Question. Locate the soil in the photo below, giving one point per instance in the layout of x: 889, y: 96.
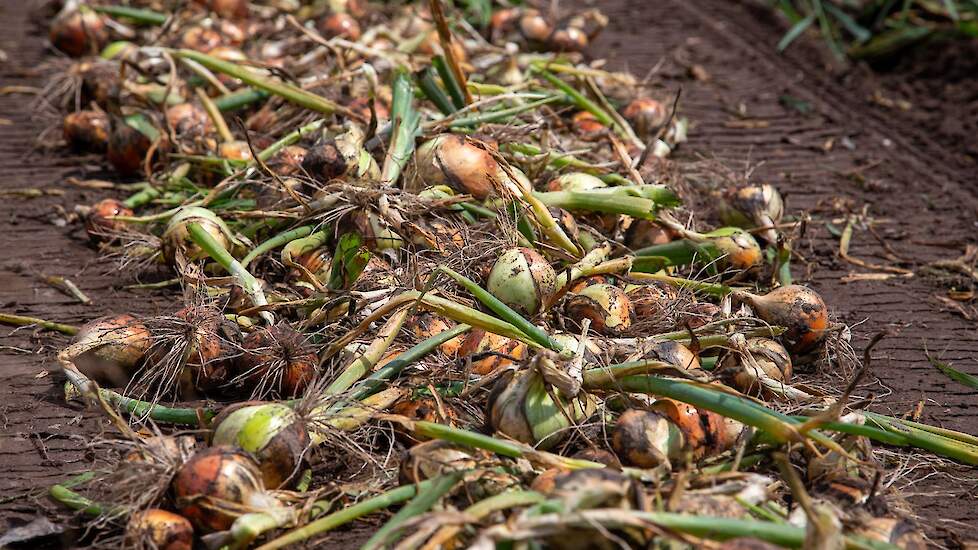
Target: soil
x: 818, y: 134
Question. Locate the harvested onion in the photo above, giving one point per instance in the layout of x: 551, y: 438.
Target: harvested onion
x: 111, y: 348
x: 797, y: 308
x: 156, y: 529
x: 523, y: 279
x: 607, y: 306
x: 273, y: 433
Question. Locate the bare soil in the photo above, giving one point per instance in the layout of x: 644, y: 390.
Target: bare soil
x: 821, y: 135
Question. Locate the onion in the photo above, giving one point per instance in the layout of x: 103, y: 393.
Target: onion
x: 607, y: 306
x: 97, y: 223
x: 646, y: 439
x: 575, y: 181
x: 424, y: 408
x: 739, y: 249
x: 189, y: 120
x: 697, y: 314
x: 521, y: 407
x: 159, y: 530
x: 601, y: 456
x: 644, y: 233
x: 770, y: 361
x: 177, y: 244
x: 339, y: 25
x: 425, y: 325
x: 535, y: 26
x: 217, y: 485
x: 340, y: 156
x: 78, y: 32
x: 653, y: 301
x: 288, y: 161
x: 705, y: 433
x: 453, y: 160
x: 545, y: 481
x: 797, y: 308
x: 674, y: 353
x: 87, y: 130
x: 894, y: 531
x: 523, y: 279
x: 127, y: 148
x: 276, y: 360
x: 234, y: 150
x: 502, y: 22
x: 274, y: 434
x: 229, y: 9
x: 645, y: 115
x: 111, y: 348
x: 478, y: 341
x: 201, y: 39
x: 586, y: 124
x: 568, y: 39
x: 753, y: 206
x: 376, y: 232
x: 433, y: 458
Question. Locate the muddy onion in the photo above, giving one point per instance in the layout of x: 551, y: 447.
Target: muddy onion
x: 645, y: 439
x: 753, y: 206
x: 217, y: 485
x: 797, y: 308
x: 276, y: 358
x: 272, y: 432
x: 87, y: 130
x: 159, y: 530
x: 453, y: 160
x: 499, y: 351
x: 523, y: 279
x: 772, y: 361
x: 521, y: 407
x: 117, y: 346
x: 98, y: 224
x: 607, y: 306
x: 705, y: 433
x: 78, y: 32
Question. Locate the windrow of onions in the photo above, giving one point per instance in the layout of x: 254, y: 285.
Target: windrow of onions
x: 426, y: 257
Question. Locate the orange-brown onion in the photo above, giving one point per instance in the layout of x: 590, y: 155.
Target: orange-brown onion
x: 652, y: 301
x: 78, y: 32
x: 490, y: 352
x: 156, y: 529
x: 645, y: 115
x: 453, y: 160
x: 273, y: 433
x: 341, y: 25
x: 433, y: 458
x: 422, y: 408
x: 426, y: 325
x: 87, y: 130
x: 217, y: 485
x: 899, y: 533
x: 772, y: 361
x: 189, y: 120
x: 797, y: 308
x: 127, y: 148
x: 117, y: 346
x: 705, y: 433
x: 277, y: 358
x: 98, y: 223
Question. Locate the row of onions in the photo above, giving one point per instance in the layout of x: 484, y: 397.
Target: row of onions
x: 436, y: 267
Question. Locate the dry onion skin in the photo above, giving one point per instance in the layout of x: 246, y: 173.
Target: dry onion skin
x: 274, y: 434
x: 159, y: 530
x: 523, y: 279
x: 799, y: 309
x: 607, y: 307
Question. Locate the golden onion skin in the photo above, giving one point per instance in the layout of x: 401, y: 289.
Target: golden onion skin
x: 159, y: 530
x: 87, y: 130
x: 797, y: 308
x: 607, y: 306
x: 645, y: 439
x: 212, y: 487
x: 478, y: 341
x: 119, y: 343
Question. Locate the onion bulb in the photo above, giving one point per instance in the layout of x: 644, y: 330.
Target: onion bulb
x: 376, y: 232
x: 739, y: 249
x: 229, y: 9
x: 200, y: 38
x: 339, y: 25
x: 426, y: 325
x: 98, y: 224
x: 87, y: 130
x: 343, y: 155
x: 705, y: 433
x: 177, y: 244
x: 500, y: 351
x: 521, y: 407
x: 586, y: 124
x: 646, y: 439
x: 159, y: 530
x: 644, y: 233
x: 523, y: 279
x: 568, y: 39
x: 753, y: 206
x: 645, y: 115
x: 797, y: 308
x: 288, y: 161
x: 276, y: 360
x: 534, y: 26
x: 771, y: 361
x: 189, y: 120
x: 273, y: 433
x: 78, y: 32
x: 899, y: 533
x: 128, y: 146
x: 453, y: 160
x: 217, y: 485
x: 576, y: 181
x: 436, y: 457
x: 675, y: 354
x: 111, y: 348
x: 653, y: 301
x: 607, y: 306
x: 423, y: 408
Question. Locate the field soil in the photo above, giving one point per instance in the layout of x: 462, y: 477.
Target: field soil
x: 894, y: 146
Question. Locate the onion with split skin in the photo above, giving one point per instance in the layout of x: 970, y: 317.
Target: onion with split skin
x: 156, y: 529
x: 110, y: 349
x: 753, y: 206
x: 797, y: 308
x: 274, y: 434
x: 179, y: 247
x: 503, y: 351
x: 646, y: 439
x: 771, y: 362
x: 705, y: 433
x: 218, y: 485
x: 607, y: 306
x: 739, y: 249
x: 453, y: 160
x: 523, y: 279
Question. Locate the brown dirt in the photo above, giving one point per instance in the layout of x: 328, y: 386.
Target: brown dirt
x: 846, y: 151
